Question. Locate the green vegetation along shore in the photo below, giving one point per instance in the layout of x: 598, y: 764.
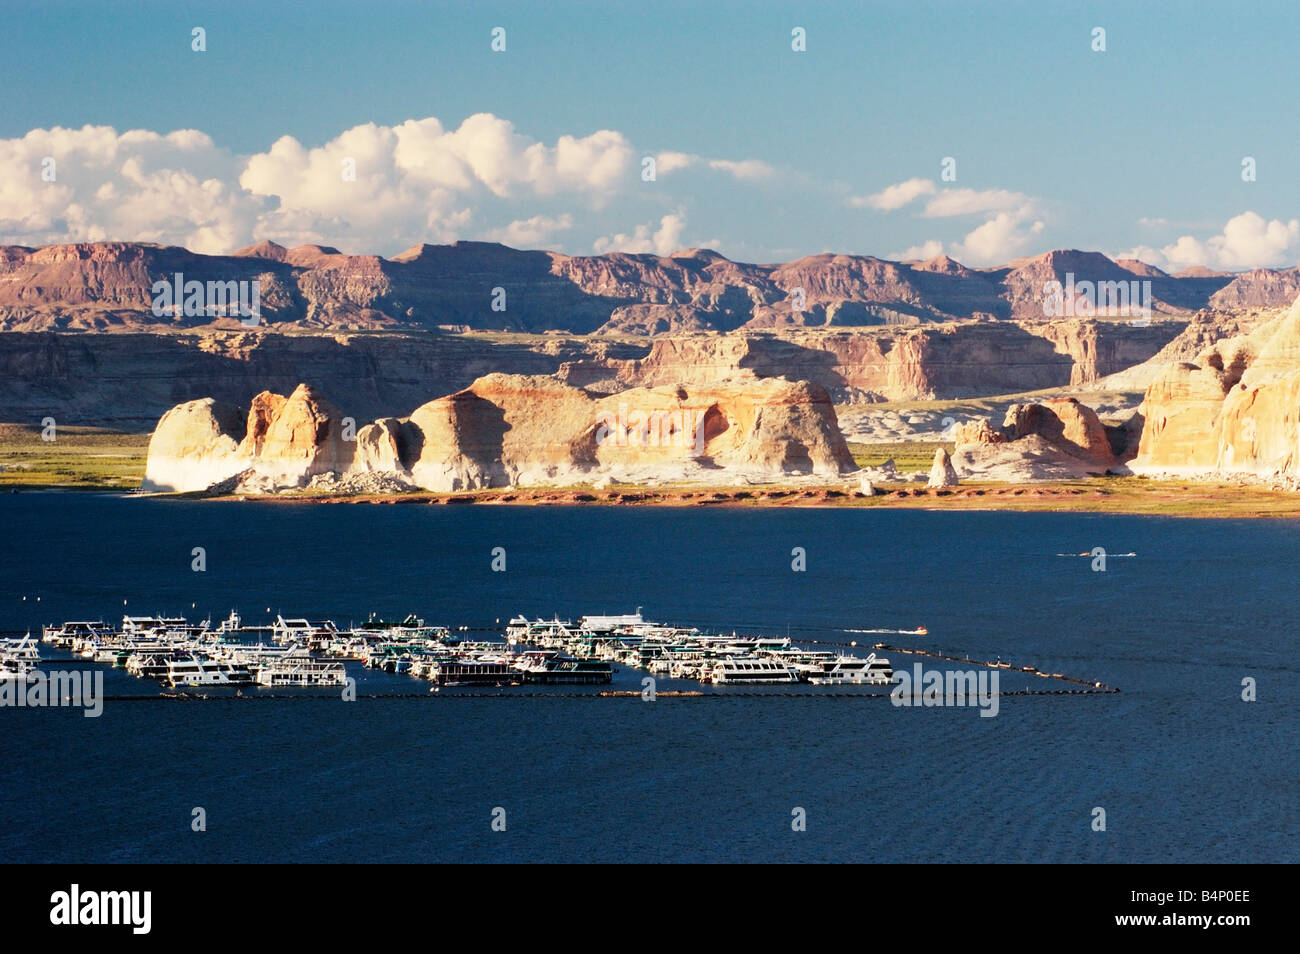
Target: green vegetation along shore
x: 85, y: 458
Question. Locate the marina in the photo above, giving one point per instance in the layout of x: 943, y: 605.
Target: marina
x: 689, y: 653
x: 302, y: 652
x: 527, y: 653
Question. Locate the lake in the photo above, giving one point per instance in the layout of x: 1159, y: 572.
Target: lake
x: 1185, y: 770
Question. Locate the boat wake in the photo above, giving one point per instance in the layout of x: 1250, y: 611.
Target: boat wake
x: 919, y: 631
x: 1088, y: 554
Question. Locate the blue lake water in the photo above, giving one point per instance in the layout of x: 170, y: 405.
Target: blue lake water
x: 1185, y: 770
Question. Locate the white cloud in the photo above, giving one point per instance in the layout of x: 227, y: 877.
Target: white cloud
x: 1000, y: 239
x: 1184, y: 252
x: 486, y: 150
x: 136, y: 186
x: 418, y: 179
x: 663, y: 241
x: 1014, y: 219
x: 952, y: 202
x: 743, y: 169
x: 1143, y: 253
x: 926, y: 250
x: 531, y: 233
x: 669, y: 162
x: 371, y: 188
x: 1247, y: 241
x: 895, y: 196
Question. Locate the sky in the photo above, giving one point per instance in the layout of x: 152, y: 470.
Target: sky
x: 374, y: 126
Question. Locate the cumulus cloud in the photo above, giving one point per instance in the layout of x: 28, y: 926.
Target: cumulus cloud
x: 354, y: 184
x: 1247, y: 241
x: 531, y: 233
x: 1143, y: 253
x: 487, y: 150
x: 1000, y: 239
x: 664, y: 240
x: 926, y: 250
x: 94, y: 184
x: 1012, y: 219
x: 895, y: 196
x: 419, y: 178
x: 371, y: 186
x: 669, y: 162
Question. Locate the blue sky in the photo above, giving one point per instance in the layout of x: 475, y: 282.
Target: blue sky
x: 1136, y: 148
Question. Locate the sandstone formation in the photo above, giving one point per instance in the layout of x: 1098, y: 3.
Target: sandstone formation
x: 1233, y: 411
x: 129, y: 380
x: 978, y: 431
x: 1202, y: 330
x: 1070, y: 425
x: 1057, y: 439
x: 857, y: 329
x: 196, y: 444
x: 942, y: 474
x: 1259, y: 288
x: 290, y: 440
x: 895, y: 363
x: 284, y: 442
x: 379, y: 448
x: 106, y: 285
x: 507, y: 430
x: 532, y: 430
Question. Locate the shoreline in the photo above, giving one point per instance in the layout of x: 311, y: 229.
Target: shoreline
x: 96, y: 460
x: 1130, y: 496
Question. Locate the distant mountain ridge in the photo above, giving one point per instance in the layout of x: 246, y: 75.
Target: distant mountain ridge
x: 106, y: 286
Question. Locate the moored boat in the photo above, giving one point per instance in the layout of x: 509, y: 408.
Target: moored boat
x: 750, y: 669
x: 472, y: 672
x: 299, y: 669
x: 554, y: 669
x: 197, y: 670
x: 849, y: 670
